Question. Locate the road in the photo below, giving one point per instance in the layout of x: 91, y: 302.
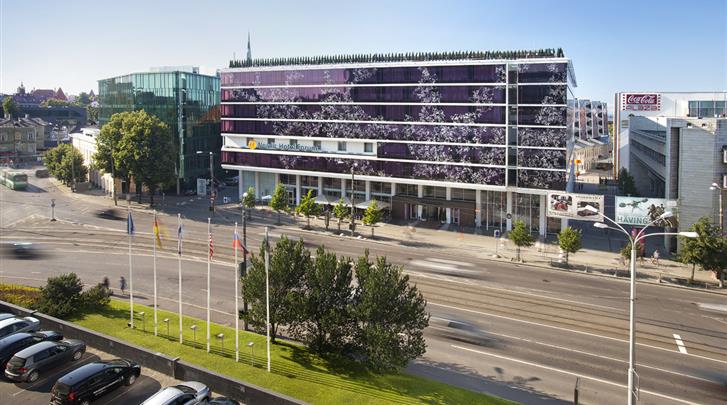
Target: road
x: 546, y: 328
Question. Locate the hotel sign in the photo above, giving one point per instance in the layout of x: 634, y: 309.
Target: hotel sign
x: 284, y: 146
x: 640, y: 102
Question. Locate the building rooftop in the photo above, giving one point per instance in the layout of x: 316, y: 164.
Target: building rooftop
x: 400, y: 57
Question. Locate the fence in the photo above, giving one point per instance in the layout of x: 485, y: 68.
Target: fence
x: 175, y: 367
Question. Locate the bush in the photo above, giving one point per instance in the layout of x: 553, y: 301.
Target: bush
x: 61, y: 296
x: 95, y: 298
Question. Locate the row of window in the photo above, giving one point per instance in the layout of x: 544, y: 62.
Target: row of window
x: 654, y: 155
x: 707, y: 108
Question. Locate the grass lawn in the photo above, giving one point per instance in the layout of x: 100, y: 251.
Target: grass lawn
x: 295, y: 371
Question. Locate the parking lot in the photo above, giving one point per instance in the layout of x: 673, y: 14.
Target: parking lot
x: 39, y: 392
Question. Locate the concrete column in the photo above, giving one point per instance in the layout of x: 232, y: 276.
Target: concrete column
x: 563, y: 223
x: 508, y: 210
x: 240, y: 184
x: 420, y: 194
x: 393, y: 189
x: 320, y: 185
x: 367, y: 190
x: 343, y: 188
x: 478, y: 208
x: 448, y: 209
x: 297, y: 189
x: 543, y: 225
x: 257, y: 184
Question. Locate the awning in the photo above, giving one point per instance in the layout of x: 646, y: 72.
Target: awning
x: 379, y: 204
x: 325, y: 200
x: 266, y: 197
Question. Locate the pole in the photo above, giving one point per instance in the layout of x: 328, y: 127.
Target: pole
x: 353, y: 204
x: 267, y: 293
x: 721, y: 211
x: 113, y: 180
x: 632, y: 323
x: 237, y: 308
x: 179, y: 268
x: 131, y: 273
x: 53, y: 209
x: 209, y: 258
x: 154, y: 249
x: 244, y: 261
x: 73, y: 172
x: 212, y: 185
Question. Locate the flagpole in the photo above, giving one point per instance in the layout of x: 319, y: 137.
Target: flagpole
x: 130, y: 230
x: 209, y: 258
x: 237, y: 294
x: 179, y: 266
x: 154, y: 248
x: 267, y: 293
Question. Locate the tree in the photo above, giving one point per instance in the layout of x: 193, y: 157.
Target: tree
x: 65, y: 163
x: 626, y: 250
x: 308, y: 207
x: 324, y: 320
x: 289, y: 262
x: 83, y: 99
x: 54, y: 102
x: 520, y: 237
x: 372, y: 216
x: 708, y: 250
x: 92, y: 113
x: 279, y: 202
x: 390, y: 315
x: 569, y: 240
x: 341, y: 211
x: 61, y: 295
x: 626, y: 182
x: 10, y: 107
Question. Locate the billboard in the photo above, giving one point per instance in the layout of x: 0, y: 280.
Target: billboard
x: 640, y: 211
x: 573, y: 206
x: 640, y: 101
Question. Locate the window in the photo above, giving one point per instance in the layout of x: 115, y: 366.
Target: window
x: 368, y: 147
x: 341, y: 146
x: 317, y: 144
x: 293, y: 142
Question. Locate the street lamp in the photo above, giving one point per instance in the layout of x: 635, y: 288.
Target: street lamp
x: 713, y: 187
x: 212, y: 181
x: 634, y: 241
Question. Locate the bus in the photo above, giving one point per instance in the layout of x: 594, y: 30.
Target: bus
x: 13, y: 180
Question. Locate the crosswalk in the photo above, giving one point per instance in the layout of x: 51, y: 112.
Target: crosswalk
x: 445, y: 266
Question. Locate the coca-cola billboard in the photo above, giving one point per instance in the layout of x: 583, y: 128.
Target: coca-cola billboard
x: 641, y: 101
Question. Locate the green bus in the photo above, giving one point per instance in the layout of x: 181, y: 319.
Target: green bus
x: 14, y: 180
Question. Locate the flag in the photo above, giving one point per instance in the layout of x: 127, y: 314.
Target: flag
x: 237, y: 243
x: 130, y: 224
x: 156, y: 233
x: 180, y: 230
x: 212, y: 246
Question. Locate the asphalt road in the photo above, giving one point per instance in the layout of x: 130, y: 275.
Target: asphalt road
x: 545, y: 328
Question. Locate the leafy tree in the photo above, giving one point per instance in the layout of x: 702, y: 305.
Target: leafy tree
x: 54, y: 102
x: 626, y: 250
x: 95, y: 298
x: 390, y: 315
x: 92, y: 113
x: 61, y: 295
x: 289, y: 262
x: 108, y: 155
x: 308, y: 207
x: 324, y: 321
x: 569, y: 240
x: 10, y: 107
x: 65, y: 163
x: 708, y: 250
x: 520, y: 236
x: 626, y: 182
x: 279, y: 202
x: 83, y: 99
x: 249, y: 200
x: 341, y: 211
x: 372, y: 216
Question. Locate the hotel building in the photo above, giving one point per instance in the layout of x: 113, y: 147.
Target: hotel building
x: 471, y: 139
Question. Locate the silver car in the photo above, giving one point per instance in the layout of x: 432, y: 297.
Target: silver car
x: 12, y: 326
x: 186, y: 393
x: 456, y: 328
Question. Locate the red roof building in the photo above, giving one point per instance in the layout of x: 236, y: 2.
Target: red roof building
x: 60, y: 95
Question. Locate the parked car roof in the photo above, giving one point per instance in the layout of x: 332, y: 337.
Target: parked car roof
x: 81, y: 373
x: 30, y: 351
x: 163, y: 396
x: 6, y: 315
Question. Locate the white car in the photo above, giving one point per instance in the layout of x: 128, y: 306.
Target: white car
x: 186, y: 393
x: 12, y: 326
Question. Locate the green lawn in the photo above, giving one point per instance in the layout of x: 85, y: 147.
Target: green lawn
x: 295, y: 371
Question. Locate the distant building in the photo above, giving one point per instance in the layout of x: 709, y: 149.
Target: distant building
x: 85, y: 142
x: 188, y: 102
x: 30, y: 104
x: 60, y: 95
x: 19, y: 139
x: 591, y: 148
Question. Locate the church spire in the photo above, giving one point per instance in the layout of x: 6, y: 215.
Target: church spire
x: 248, y: 60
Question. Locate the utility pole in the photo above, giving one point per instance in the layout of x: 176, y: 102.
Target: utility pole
x: 243, y: 271
x: 212, y: 186
x: 353, y: 204
x: 720, y: 190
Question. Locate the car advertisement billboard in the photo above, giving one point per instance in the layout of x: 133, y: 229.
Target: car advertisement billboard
x: 573, y: 206
x: 640, y: 211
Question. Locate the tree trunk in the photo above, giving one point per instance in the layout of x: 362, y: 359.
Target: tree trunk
x: 308, y: 221
x: 372, y: 231
x: 278, y: 217
x: 721, y: 279
x: 151, y: 196
x: 691, y: 279
x: 518, y: 253
x: 566, y: 259
x: 339, y: 225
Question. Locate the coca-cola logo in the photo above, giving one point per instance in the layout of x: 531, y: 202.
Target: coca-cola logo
x: 649, y: 99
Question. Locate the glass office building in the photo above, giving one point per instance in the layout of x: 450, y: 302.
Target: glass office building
x: 184, y: 99
x: 461, y: 141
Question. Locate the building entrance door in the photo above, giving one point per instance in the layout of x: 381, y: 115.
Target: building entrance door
x: 455, y: 216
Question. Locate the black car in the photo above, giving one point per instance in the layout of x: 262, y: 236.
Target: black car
x: 28, y: 363
x: 86, y: 383
x: 19, y: 341
x: 223, y: 401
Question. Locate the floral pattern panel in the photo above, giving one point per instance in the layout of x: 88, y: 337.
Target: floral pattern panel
x: 535, y: 94
x: 546, y: 137
x: 541, y: 179
x: 542, y: 72
x: 541, y: 158
x: 547, y: 115
x: 442, y: 153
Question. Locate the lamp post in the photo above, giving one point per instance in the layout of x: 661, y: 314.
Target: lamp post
x: 634, y: 241
x: 720, y: 190
x: 243, y: 269
x: 212, y: 181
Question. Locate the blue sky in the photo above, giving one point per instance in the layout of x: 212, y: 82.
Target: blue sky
x: 615, y: 45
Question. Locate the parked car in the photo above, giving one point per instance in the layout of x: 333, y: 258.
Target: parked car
x: 186, y: 393
x: 19, y: 341
x: 93, y: 380
x: 16, y: 325
x: 223, y: 401
x: 6, y: 315
x: 28, y: 363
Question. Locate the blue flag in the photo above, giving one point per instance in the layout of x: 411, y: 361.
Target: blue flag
x: 130, y: 225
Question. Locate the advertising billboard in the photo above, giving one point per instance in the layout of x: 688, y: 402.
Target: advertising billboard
x: 640, y: 102
x: 573, y: 206
x: 641, y: 211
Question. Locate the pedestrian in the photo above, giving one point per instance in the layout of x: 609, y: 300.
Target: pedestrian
x: 122, y: 284
x: 655, y: 257
x: 105, y: 282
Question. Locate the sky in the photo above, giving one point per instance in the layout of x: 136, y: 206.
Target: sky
x: 646, y: 45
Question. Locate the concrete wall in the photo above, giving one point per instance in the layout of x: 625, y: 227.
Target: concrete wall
x: 242, y: 391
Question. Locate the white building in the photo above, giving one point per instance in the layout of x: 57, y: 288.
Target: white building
x: 85, y: 142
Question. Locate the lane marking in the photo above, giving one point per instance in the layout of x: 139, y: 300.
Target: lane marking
x: 572, y: 374
x: 680, y: 344
x: 454, y: 262
x: 568, y: 330
x: 449, y: 268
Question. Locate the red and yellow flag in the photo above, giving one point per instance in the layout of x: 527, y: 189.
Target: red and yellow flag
x: 157, y: 236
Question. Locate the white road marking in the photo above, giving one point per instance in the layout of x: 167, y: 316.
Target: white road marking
x: 448, y: 268
x: 680, y: 344
x: 454, y: 262
x: 567, y: 330
x: 528, y: 363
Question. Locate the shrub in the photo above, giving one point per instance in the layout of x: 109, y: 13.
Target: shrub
x: 61, y: 296
x: 95, y: 298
